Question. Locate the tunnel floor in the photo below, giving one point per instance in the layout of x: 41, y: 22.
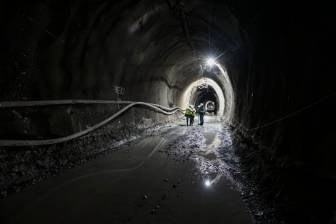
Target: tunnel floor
x: 181, y: 176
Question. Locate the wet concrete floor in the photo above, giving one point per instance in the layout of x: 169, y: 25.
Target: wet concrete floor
x: 177, y: 177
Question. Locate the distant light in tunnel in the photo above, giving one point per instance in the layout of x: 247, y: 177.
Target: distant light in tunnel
x: 207, y: 183
x: 210, y: 62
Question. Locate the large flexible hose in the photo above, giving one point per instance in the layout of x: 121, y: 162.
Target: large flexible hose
x: 4, y: 142
x: 41, y: 103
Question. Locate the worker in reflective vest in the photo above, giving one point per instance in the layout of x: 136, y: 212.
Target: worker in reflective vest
x: 190, y: 115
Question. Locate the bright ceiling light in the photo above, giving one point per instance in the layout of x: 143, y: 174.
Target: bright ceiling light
x: 207, y: 183
x: 210, y: 62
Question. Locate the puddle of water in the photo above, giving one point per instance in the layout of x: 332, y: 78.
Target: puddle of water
x: 209, y: 160
x: 209, y: 148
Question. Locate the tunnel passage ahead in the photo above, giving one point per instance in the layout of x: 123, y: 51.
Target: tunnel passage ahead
x: 205, y: 89
x: 149, y: 51
x: 278, y: 57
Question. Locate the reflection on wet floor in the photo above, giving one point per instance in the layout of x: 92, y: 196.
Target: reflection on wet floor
x: 180, y: 177
x: 208, y: 156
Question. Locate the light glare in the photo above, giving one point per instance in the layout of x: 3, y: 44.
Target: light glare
x: 210, y: 62
x: 207, y: 183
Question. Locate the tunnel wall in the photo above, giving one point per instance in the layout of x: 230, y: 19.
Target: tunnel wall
x: 82, y: 51
x: 286, y: 104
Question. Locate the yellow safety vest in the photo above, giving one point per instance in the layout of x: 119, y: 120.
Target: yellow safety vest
x: 189, y: 112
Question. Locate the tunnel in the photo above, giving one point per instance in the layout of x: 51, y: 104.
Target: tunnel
x: 208, y: 98
x: 94, y: 97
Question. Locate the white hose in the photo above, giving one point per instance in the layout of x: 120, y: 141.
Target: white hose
x: 4, y: 142
x: 40, y: 103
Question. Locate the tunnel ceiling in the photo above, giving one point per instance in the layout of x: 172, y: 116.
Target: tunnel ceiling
x: 85, y: 48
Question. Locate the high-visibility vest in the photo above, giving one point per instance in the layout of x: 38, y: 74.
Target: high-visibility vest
x: 189, y: 111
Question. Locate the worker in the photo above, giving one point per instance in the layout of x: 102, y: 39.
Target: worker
x: 193, y: 113
x: 201, y: 113
x: 190, y: 114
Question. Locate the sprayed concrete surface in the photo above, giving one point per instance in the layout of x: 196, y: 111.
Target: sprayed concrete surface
x: 177, y: 177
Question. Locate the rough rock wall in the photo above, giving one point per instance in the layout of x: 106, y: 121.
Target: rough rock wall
x: 286, y: 95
